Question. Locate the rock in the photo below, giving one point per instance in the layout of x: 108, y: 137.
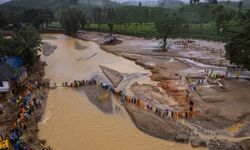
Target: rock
x: 245, y: 145
x: 48, y: 49
x: 224, y: 145
x: 203, y: 143
x: 78, y: 46
x: 182, y: 137
x: 196, y: 142
x: 42, y: 141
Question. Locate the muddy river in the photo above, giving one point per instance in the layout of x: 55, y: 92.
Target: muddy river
x: 71, y: 121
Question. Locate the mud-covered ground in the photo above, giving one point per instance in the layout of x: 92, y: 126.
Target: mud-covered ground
x: 221, y: 119
x: 10, y: 111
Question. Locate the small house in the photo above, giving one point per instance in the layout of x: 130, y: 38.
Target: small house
x: 4, y: 84
x: 12, y: 75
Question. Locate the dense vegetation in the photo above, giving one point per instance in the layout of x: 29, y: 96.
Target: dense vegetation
x: 25, y: 43
x: 18, y: 6
x: 71, y: 20
x: 238, y: 49
x: 211, y: 21
x: 168, y: 26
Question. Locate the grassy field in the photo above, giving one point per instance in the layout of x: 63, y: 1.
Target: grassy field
x: 196, y: 31
x: 56, y: 25
x: 144, y: 30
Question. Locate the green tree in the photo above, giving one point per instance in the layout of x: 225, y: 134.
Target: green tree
x: 111, y: 18
x: 217, y: 10
x: 72, y: 19
x: 83, y: 21
x: 147, y: 15
x: 248, y: 15
x: 5, y: 46
x: 111, y: 26
x: 167, y: 26
x: 97, y: 15
x: 194, y: 2
x: 221, y: 19
x: 25, y: 43
x: 213, y: 1
x: 240, y: 5
x: 36, y: 17
x: 238, y: 49
x: 28, y: 42
x: 3, y: 20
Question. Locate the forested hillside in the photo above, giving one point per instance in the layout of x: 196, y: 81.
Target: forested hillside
x: 17, y: 6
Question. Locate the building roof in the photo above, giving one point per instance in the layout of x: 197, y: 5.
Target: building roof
x: 15, y: 62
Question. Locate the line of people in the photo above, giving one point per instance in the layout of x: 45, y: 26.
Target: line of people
x: 75, y: 83
x: 78, y: 83
x: 161, y: 112
x: 214, y: 75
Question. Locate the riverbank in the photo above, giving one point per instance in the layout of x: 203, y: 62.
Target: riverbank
x: 94, y: 117
x: 167, y: 73
x: 11, y: 117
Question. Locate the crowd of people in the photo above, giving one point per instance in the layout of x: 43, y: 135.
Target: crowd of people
x: 26, y: 103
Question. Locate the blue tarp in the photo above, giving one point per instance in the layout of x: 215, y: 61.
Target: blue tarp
x: 14, y: 61
x: 10, y: 68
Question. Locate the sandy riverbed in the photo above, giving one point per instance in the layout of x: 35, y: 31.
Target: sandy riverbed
x: 71, y: 121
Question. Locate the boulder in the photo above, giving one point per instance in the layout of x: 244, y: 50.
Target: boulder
x: 245, y: 145
x: 182, y: 137
x: 198, y: 142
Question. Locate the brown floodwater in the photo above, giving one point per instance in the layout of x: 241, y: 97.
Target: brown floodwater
x: 71, y: 121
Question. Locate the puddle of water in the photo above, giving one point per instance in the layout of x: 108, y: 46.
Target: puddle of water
x: 71, y: 121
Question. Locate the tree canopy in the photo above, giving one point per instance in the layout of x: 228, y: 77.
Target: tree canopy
x: 3, y: 20
x: 238, y: 49
x: 25, y: 43
x: 72, y: 19
x: 167, y: 26
x: 36, y: 17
